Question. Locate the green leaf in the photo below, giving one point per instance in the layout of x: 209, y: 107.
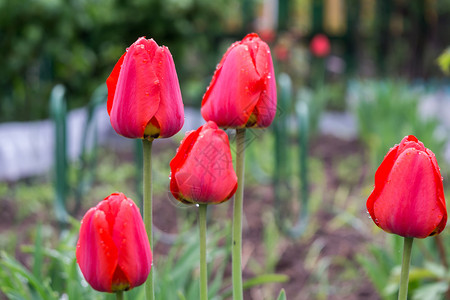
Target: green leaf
x: 282, y: 295
x: 265, y: 278
x: 37, y: 255
x: 41, y: 287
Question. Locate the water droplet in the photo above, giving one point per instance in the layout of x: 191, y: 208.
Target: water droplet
x: 147, y: 94
x: 197, y: 205
x: 144, y: 61
x: 376, y: 221
x: 156, y: 81
x: 100, y: 230
x: 142, y: 46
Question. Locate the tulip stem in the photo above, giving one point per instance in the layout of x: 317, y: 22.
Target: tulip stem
x: 147, y: 178
x: 203, y: 270
x: 237, y: 216
x: 119, y: 295
x: 404, y: 277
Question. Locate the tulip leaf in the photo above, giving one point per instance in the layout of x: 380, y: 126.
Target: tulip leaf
x: 40, y: 287
x: 282, y: 295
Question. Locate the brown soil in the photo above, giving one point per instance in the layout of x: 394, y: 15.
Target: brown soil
x: 320, y: 264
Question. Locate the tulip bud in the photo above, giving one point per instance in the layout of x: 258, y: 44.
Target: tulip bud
x: 202, y: 170
x: 243, y: 91
x: 408, y: 197
x: 144, y: 98
x: 113, y: 250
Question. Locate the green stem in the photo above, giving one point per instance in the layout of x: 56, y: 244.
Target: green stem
x: 237, y: 216
x: 147, y: 178
x: 407, y: 246
x: 203, y: 271
x: 119, y: 295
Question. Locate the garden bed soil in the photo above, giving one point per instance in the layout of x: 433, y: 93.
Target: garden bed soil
x: 330, y: 273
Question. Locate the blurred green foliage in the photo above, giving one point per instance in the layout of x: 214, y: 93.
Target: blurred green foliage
x: 386, y: 112
x: 77, y: 43
x: 444, y: 61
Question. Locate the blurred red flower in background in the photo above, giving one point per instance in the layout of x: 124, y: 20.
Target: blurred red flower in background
x: 320, y: 45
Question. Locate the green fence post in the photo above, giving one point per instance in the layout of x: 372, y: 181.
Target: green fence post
x: 281, y: 169
x: 58, y: 112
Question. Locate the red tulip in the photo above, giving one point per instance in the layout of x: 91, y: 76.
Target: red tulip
x: 408, y: 197
x: 202, y: 170
x: 113, y: 250
x: 243, y: 91
x: 320, y: 45
x: 144, y: 98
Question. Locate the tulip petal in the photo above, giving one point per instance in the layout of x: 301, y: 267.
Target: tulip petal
x: 170, y: 114
x: 381, y: 176
x: 130, y: 237
x: 96, y: 252
x: 137, y: 94
x: 404, y: 201
x: 111, y: 83
x: 266, y: 106
x: 180, y: 157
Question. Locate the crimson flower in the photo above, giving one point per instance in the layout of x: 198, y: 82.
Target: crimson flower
x: 202, y: 170
x: 113, y: 250
x: 320, y: 45
x: 408, y: 197
x: 144, y: 98
x: 243, y: 90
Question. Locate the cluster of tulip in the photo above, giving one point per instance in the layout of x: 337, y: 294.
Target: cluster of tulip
x: 144, y: 101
